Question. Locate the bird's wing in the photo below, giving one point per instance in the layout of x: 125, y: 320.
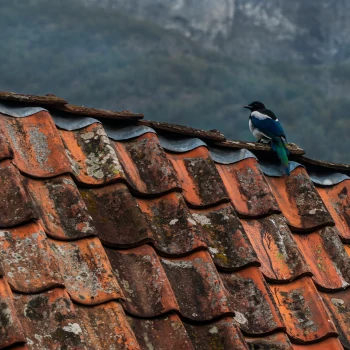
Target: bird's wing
x: 269, y: 127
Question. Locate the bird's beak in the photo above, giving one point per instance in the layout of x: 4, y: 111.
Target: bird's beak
x: 249, y: 107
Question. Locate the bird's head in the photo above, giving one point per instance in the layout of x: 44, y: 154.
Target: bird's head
x: 255, y: 106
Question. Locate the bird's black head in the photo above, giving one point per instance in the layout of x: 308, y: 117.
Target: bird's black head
x: 255, y: 106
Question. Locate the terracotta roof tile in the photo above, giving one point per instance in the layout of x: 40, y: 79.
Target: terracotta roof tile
x: 147, y: 168
x: 28, y: 263
x: 60, y: 207
x: 5, y: 148
x: 195, y: 251
x: 222, y: 334
x: 86, y: 271
x: 99, y: 113
x: 248, y: 189
x: 337, y: 200
x: 48, y: 100
x: 328, y: 344
x: 326, y: 257
x: 249, y: 295
x: 299, y: 201
x: 227, y: 241
x: 161, y: 333
x: 145, y: 285
x: 116, y: 215
x: 199, y: 178
x: 105, y: 327
x: 276, y: 341
x: 49, y: 320
x: 303, y: 312
x: 92, y: 156
x: 175, y: 230
x: 277, y: 251
x: 13, y: 191
x: 197, y: 286
x: 38, y: 149
x: 339, y: 306
x: 11, y: 331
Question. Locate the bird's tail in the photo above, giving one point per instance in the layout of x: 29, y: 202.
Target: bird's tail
x: 282, y: 151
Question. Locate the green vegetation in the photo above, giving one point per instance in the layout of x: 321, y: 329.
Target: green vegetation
x: 104, y: 59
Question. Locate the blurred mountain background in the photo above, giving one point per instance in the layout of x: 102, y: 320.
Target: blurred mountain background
x: 190, y: 62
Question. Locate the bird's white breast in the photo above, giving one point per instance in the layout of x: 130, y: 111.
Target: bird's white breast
x: 257, y: 134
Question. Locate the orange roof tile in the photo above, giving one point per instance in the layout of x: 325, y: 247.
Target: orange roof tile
x: 117, y: 236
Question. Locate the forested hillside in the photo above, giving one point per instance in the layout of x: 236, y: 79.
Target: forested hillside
x: 102, y: 58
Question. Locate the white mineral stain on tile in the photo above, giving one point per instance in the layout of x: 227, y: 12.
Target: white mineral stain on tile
x: 191, y: 221
x: 72, y: 328
x: 202, y: 219
x: 173, y: 221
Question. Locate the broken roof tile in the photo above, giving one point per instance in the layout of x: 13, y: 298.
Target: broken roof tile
x: 86, y: 271
x: 175, y: 230
x: 328, y: 344
x: 275, y: 341
x: 11, y: 331
x: 14, y: 201
x: 222, y: 334
x: 337, y: 200
x: 303, y: 312
x: 28, y: 263
x: 184, y: 130
x: 197, y: 286
x: 327, y: 258
x: 228, y: 243
x: 145, y: 285
x: 116, y: 215
x: 49, y: 99
x: 339, y: 306
x: 250, y: 298
x: 105, y: 327
x: 249, y: 192
x: 199, y: 178
x: 299, y: 201
x: 99, y: 113
x: 49, y: 320
x: 161, y: 333
x: 147, y: 168
x: 92, y: 156
x: 5, y: 148
x: 278, y: 253
x: 38, y: 149
x: 61, y: 209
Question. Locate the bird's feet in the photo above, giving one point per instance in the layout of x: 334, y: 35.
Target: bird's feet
x: 264, y: 140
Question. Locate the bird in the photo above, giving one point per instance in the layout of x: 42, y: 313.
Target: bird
x: 265, y: 127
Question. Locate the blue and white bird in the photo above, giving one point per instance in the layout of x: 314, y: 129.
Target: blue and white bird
x: 266, y: 128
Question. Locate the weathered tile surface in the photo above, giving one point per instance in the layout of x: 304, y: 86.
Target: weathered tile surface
x: 60, y: 208
x: 38, y: 149
x: 86, y: 271
x: 195, y: 252
x: 27, y: 260
x: 249, y: 192
x: 91, y: 155
x: 144, y: 283
x: 277, y: 251
x: 146, y: 166
x: 15, y: 204
x: 199, y: 177
x: 161, y: 333
x: 299, y: 201
x: 227, y: 240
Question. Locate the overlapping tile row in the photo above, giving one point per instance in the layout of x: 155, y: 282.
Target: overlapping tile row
x: 57, y: 287
x: 202, y: 252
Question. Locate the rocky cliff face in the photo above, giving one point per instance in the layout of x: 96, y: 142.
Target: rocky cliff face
x: 306, y: 31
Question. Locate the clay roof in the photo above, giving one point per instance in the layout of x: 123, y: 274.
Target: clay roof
x: 117, y: 233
